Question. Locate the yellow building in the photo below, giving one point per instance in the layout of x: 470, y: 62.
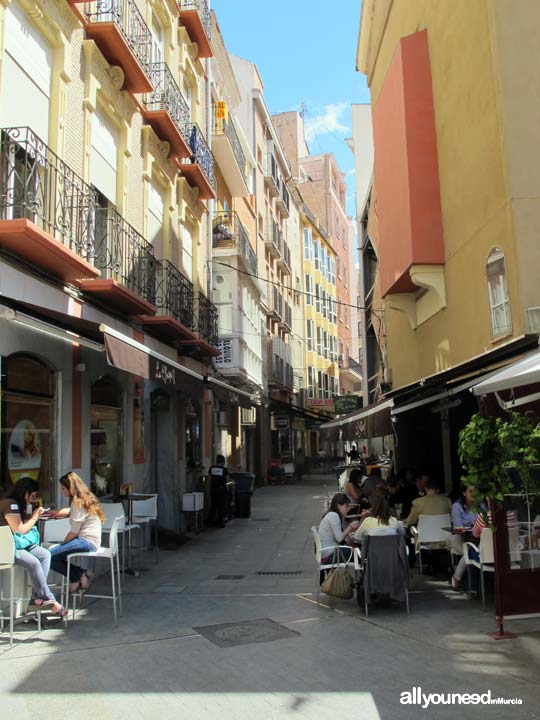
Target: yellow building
x: 320, y: 307
x: 456, y: 198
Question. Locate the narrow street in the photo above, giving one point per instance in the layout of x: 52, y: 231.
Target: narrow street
x: 319, y: 662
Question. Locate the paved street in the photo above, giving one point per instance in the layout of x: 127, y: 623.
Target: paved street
x: 160, y: 661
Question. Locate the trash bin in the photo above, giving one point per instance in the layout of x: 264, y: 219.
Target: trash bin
x: 244, y: 488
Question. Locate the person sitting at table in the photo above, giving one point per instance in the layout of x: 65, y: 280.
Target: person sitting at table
x: 462, y: 518
x: 380, y: 521
x: 15, y: 512
x: 374, y: 480
x: 331, y: 533
x: 432, y: 503
x: 414, y: 487
x: 86, y: 518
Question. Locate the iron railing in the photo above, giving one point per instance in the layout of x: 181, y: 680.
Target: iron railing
x: 122, y: 254
x: 285, y: 197
x: 204, y: 13
x: 223, y: 126
x: 37, y: 186
x: 277, y: 301
x: 207, y: 319
x: 166, y: 95
x: 228, y: 231
x: 202, y: 155
x: 276, y: 236
x: 174, y: 294
x: 271, y: 169
x: 129, y: 20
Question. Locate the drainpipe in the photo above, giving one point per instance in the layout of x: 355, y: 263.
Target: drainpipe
x: 211, y: 203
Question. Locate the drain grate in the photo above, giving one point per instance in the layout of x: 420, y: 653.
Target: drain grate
x: 278, y: 572
x: 229, y: 577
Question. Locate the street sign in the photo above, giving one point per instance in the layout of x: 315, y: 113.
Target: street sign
x: 347, y: 403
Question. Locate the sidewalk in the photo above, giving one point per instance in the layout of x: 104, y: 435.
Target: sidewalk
x: 312, y: 661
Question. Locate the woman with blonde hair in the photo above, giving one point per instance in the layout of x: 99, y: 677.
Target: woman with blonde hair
x: 86, y: 518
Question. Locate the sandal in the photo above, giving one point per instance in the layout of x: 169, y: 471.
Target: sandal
x: 86, y: 580
x: 456, y: 585
x: 36, y: 602
x: 74, y: 587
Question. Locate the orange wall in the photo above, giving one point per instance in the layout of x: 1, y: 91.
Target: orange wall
x: 406, y: 167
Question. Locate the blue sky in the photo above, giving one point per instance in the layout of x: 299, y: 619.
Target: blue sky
x: 305, y: 50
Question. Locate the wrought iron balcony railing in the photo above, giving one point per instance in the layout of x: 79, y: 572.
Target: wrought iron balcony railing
x: 122, y: 254
x: 223, y: 126
x: 204, y: 13
x: 174, y: 294
x: 127, y: 17
x: 276, y: 236
x: 228, y: 231
x: 285, y: 197
x: 202, y: 155
x: 207, y: 319
x: 271, y: 173
x: 166, y: 95
x: 36, y: 185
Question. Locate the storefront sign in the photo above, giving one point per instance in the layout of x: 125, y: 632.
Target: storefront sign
x: 346, y: 403
x: 282, y: 422
x: 172, y: 378
x: 326, y: 404
x: 24, y: 458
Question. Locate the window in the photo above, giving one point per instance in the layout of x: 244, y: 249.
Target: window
x: 499, y: 302
x: 318, y: 298
x: 325, y: 344
x: 323, y: 261
x: 187, y: 251
x: 310, y: 334
x: 319, y: 341
x: 308, y: 244
x: 309, y: 290
x: 311, y: 382
x: 316, y: 253
x: 320, y: 385
x: 323, y: 303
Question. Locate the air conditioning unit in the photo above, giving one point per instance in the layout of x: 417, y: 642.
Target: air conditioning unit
x: 533, y: 316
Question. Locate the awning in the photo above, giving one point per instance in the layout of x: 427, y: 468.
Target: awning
x: 517, y: 375
x: 372, y: 421
x: 228, y: 394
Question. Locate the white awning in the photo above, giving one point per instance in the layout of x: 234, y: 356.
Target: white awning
x: 365, y: 412
x: 523, y: 372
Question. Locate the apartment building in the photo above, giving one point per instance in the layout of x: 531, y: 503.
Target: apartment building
x: 456, y: 203
x: 107, y: 182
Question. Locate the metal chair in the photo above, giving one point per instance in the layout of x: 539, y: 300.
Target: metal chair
x: 429, y: 532
x: 112, y: 555
x: 486, y: 561
x: 111, y: 512
x: 7, y: 562
x: 144, y: 512
x: 372, y: 575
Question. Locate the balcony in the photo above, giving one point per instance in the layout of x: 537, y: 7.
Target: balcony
x: 271, y: 175
x: 195, y: 17
x: 207, y: 325
x: 230, y: 236
x: 127, y: 264
x: 284, y: 262
x: 237, y: 361
x: 167, y: 111
x: 45, y: 208
x: 275, y: 303
x: 283, y: 201
x: 280, y: 370
x: 273, y: 238
x: 120, y: 32
x: 228, y: 152
x: 174, y: 299
x: 199, y: 169
x: 286, y: 318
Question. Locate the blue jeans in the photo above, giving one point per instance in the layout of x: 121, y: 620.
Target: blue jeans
x: 59, y: 557
x: 36, y: 562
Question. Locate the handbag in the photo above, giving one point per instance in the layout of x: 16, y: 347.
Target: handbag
x: 25, y: 540
x: 338, y: 583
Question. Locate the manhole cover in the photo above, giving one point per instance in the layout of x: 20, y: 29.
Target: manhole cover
x: 229, y: 577
x: 278, y: 572
x: 170, y: 589
x: 245, y: 633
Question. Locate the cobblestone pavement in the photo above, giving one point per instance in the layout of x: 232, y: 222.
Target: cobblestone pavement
x: 229, y: 626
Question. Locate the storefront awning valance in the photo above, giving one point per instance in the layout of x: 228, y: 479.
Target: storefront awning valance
x: 228, y: 394
x: 523, y: 372
x: 372, y: 421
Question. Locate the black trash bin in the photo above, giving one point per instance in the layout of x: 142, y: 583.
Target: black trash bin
x: 244, y: 486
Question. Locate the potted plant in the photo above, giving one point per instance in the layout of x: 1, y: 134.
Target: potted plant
x: 488, y: 447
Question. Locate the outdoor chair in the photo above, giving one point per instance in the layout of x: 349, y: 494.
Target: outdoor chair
x: 144, y: 513
x: 383, y: 568
x: 319, y: 554
x: 486, y: 561
x: 429, y: 534
x: 7, y: 562
x: 111, y: 512
x: 103, y: 553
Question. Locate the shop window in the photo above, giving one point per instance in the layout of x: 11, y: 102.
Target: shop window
x: 28, y: 435
x: 499, y: 302
x: 106, y: 422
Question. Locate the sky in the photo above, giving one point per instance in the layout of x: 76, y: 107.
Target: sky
x: 305, y: 51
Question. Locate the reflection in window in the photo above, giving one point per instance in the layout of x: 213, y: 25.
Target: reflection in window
x: 499, y: 302
x: 523, y: 523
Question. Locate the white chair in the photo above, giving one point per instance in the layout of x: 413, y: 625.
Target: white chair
x: 429, y: 532
x: 111, y: 512
x: 144, y: 512
x: 319, y: 552
x: 55, y: 531
x: 7, y: 562
x: 486, y: 561
x: 112, y: 555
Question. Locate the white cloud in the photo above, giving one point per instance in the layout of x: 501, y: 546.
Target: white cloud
x: 326, y: 122
x: 351, y: 172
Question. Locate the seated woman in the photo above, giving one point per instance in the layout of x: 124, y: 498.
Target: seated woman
x: 331, y: 531
x: 462, y: 518
x: 36, y: 560
x: 86, y: 518
x: 380, y: 520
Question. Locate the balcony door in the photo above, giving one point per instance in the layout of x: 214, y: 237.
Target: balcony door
x: 104, y: 155
x: 26, y: 74
x: 158, y: 42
